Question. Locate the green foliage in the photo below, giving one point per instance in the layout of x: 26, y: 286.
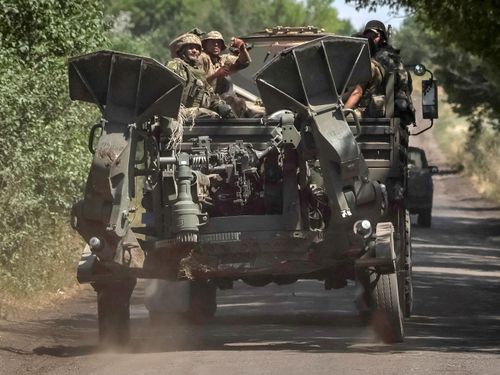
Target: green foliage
x: 477, y: 154
x: 36, y: 29
x: 157, y: 22
x: 471, y: 83
x: 43, y: 159
x: 481, y: 162
x: 472, y: 25
x: 418, y: 44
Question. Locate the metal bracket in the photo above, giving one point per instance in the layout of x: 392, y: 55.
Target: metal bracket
x: 290, y: 135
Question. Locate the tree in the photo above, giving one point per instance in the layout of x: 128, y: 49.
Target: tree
x: 43, y: 158
x: 464, y: 37
x: 473, y: 26
x: 34, y: 30
x: 156, y: 22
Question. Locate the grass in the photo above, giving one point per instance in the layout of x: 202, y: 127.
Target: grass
x: 482, y: 163
x: 38, y: 261
x: 42, y: 271
x: 479, y: 156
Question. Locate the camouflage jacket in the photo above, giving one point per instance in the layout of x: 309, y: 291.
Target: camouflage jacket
x: 197, y: 92
x: 232, y: 62
x: 375, y: 85
x: 390, y: 59
x: 209, y: 66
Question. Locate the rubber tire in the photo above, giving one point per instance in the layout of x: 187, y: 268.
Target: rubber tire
x: 425, y: 218
x: 387, y: 317
x: 400, y: 221
x: 408, y: 280
x: 202, y: 301
x: 113, y: 311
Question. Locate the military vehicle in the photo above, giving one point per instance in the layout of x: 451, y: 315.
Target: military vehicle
x: 420, y: 186
x: 300, y: 193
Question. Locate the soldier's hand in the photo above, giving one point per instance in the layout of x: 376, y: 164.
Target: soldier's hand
x: 223, y: 71
x: 237, y: 43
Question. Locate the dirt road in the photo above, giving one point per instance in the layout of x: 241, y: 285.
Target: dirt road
x: 301, y: 328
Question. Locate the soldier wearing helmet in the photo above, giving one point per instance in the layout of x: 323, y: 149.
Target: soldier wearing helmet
x: 377, y: 32
x: 197, y: 92
x: 186, y: 47
x: 218, y: 65
x: 389, y: 58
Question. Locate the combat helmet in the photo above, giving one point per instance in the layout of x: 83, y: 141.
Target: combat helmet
x: 377, y: 26
x: 182, y: 40
x: 213, y: 35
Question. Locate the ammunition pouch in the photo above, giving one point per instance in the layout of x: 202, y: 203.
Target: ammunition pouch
x: 376, y: 106
x: 196, y: 94
x: 372, y: 106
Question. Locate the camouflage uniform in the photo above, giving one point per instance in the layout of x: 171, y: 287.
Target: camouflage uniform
x: 390, y: 59
x: 372, y: 103
x: 210, y: 64
x: 197, y: 92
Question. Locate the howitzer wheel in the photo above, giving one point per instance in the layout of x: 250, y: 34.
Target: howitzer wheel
x: 113, y: 310
x: 401, y: 237
x: 202, y: 300
x: 387, y: 317
x: 408, y: 280
x: 380, y: 305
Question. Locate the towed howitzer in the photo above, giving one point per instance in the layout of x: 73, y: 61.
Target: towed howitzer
x: 286, y: 197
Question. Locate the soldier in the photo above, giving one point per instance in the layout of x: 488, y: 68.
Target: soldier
x: 218, y: 65
x: 365, y: 98
x: 389, y: 58
x: 198, y: 97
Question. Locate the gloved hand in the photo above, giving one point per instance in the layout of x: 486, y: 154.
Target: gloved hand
x: 237, y: 43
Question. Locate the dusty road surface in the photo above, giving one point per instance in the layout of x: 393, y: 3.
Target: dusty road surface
x: 303, y: 329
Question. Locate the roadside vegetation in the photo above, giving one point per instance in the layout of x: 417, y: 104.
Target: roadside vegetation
x: 42, y: 158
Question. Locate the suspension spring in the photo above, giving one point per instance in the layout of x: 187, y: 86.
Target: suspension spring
x: 198, y: 161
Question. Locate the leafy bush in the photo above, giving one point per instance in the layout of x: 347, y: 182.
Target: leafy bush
x: 43, y: 159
